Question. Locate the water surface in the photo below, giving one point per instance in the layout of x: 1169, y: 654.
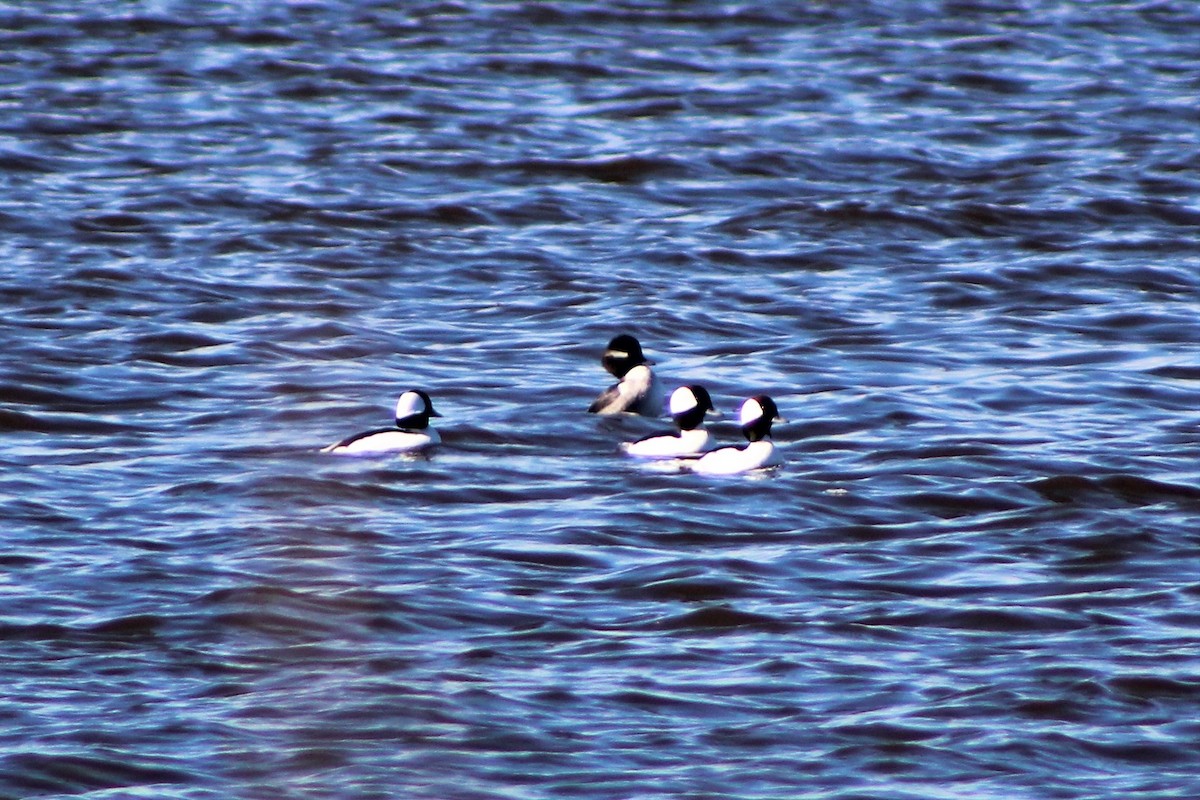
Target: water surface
x: 955, y: 241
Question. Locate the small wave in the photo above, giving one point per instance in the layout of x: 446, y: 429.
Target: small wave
x: 1148, y: 688
x: 984, y: 620
x: 17, y: 162
x: 1131, y: 489
x: 175, y: 341
x: 951, y: 506
x: 1183, y: 372
x: 37, y: 631
x: 116, y: 222
x: 54, y: 423
x: 689, y: 590
x: 988, y: 82
x: 33, y: 774
x: 618, y: 169
x: 552, y: 559
x: 129, y: 628
x: 1146, y: 752
x: 718, y: 619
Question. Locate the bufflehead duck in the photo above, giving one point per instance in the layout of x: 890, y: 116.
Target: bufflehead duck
x: 637, y: 390
x: 756, y: 417
x: 688, y: 407
x: 412, y: 431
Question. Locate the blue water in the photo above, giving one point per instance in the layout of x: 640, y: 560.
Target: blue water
x: 956, y: 241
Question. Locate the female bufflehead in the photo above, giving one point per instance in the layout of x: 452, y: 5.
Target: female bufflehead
x: 756, y: 416
x: 412, y: 431
x: 688, y: 407
x: 637, y: 390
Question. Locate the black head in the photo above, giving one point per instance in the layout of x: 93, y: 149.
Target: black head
x: 689, y: 404
x: 622, y: 354
x: 413, y: 410
x: 756, y: 416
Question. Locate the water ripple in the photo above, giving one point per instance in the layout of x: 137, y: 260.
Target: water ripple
x: 954, y: 240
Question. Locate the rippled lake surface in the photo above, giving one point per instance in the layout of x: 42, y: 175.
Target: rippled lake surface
x: 958, y: 242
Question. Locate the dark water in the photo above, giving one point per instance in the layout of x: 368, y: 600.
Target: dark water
x: 958, y: 242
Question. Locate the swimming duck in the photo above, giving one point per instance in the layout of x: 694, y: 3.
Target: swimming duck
x: 688, y: 406
x: 637, y: 389
x: 411, y: 433
x: 756, y: 415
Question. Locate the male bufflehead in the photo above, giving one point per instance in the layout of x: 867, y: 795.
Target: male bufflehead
x: 756, y: 417
x: 688, y: 407
x: 637, y: 390
x: 412, y: 431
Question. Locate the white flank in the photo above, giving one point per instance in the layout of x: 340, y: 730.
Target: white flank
x: 732, y: 460
x: 688, y: 443
x: 396, y: 441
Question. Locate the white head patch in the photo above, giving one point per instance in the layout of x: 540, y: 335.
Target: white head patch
x: 409, y: 403
x: 682, y: 399
x: 751, y: 411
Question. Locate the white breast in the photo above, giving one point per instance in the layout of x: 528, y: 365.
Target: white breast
x: 732, y: 460
x: 640, y: 391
